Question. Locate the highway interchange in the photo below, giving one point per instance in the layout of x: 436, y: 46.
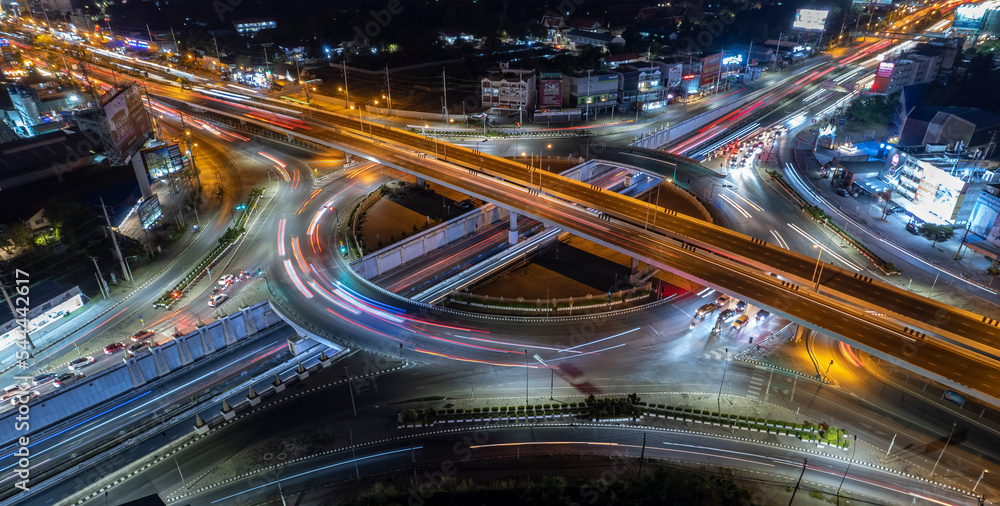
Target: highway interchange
x: 482, y: 344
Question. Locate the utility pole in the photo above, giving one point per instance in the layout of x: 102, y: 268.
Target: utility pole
x: 194, y: 167
x: 177, y: 47
x: 777, y: 53
x: 388, y: 88
x: 804, y: 462
x: 526, y: 369
x: 100, y: 278
x: 444, y: 87
x: 642, y: 454
x: 347, y: 92
x: 13, y: 312
x: 218, y: 56
x: 267, y: 65
x: 350, y: 388
x: 125, y: 270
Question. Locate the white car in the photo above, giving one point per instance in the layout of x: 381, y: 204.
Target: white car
x: 80, y: 363
x: 217, y: 299
x: 227, y: 279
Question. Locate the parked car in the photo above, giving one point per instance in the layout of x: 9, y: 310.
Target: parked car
x: 728, y: 315
x: 114, y: 348
x: 762, y: 315
x: 80, y: 363
x: 217, y: 299
x: 842, y: 192
x: 142, y: 334
x: 66, y: 378
x: 741, y: 321
x: 722, y: 300
x: 741, y: 306
x: 706, y: 309
x: 913, y: 227
x: 138, y: 348
x: 896, y: 210
x: 42, y: 379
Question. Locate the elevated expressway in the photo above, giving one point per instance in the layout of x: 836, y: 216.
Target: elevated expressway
x: 950, y: 345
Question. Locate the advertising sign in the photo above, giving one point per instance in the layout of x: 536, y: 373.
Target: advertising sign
x: 939, y: 192
x: 968, y: 17
x: 127, y: 120
x: 875, y: 3
x: 710, y: 68
x: 808, y: 19
x: 163, y: 160
x: 4, y: 42
x: 149, y: 211
x: 675, y: 73
x: 550, y: 92
x: 882, y: 77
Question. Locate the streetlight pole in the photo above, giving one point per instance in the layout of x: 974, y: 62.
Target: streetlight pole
x: 985, y: 472
x: 723, y: 382
x: 526, y: 369
x: 826, y: 375
x: 280, y: 492
x: 816, y: 269
x: 953, y: 424
x: 848, y: 468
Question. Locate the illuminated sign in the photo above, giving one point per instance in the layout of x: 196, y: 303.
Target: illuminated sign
x: 4, y: 42
x: 895, y: 159
x: 710, y: 66
x: 808, y: 19
x: 885, y: 69
x: 149, y: 211
x: 139, y: 44
x: 733, y: 60
x: 968, y: 17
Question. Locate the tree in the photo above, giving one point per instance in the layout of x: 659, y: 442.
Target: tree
x: 15, y: 236
x: 935, y: 233
x: 877, y: 109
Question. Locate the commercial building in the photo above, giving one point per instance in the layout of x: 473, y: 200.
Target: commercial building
x: 594, y: 92
x: 641, y: 87
x: 938, y: 187
x: 893, y: 76
x: 508, y: 92
x: 985, y: 220
x: 581, y: 38
x: 250, y: 27
x: 946, y: 127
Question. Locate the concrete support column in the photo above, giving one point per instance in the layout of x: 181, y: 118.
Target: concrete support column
x: 421, y: 182
x: 802, y: 333
x: 512, y: 232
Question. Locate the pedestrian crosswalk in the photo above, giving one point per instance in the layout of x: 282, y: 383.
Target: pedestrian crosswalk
x: 321, y: 182
x: 716, y: 354
x: 757, y: 383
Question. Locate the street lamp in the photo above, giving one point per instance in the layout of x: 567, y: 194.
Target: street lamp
x: 985, y: 472
x: 817, y: 268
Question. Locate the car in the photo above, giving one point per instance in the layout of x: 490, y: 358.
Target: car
x: 706, y: 309
x: 142, y: 334
x: 80, y: 363
x: 741, y: 306
x: 12, y: 391
x: 842, y: 192
x: 762, y: 315
x: 913, y: 227
x: 465, y: 204
x: 138, y: 348
x: 114, y: 348
x: 896, y: 210
x: 728, y: 315
x: 42, y: 379
x: 227, y: 279
x: 722, y: 300
x: 66, y: 378
x: 24, y: 397
x: 741, y: 322
x: 217, y: 299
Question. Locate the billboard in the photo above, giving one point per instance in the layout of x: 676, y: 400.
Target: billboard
x: 710, y: 68
x: 939, y: 192
x: 127, y: 120
x: 550, y: 90
x: 4, y: 42
x: 809, y: 19
x: 882, y: 77
x: 163, y: 160
x: 968, y: 17
x: 675, y: 73
x: 874, y: 3
x: 149, y: 211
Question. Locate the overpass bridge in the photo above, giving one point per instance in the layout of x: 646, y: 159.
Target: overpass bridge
x: 929, y: 337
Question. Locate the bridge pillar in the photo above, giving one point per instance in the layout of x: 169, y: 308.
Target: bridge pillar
x: 421, y: 183
x: 628, y: 179
x: 512, y: 232
x: 802, y: 333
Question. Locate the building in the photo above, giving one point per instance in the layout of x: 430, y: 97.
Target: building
x: 985, y: 220
x: 613, y: 61
x: 594, y: 92
x: 452, y: 35
x: 54, y: 302
x: 505, y: 90
x: 936, y: 187
x: 580, y: 38
x: 948, y: 50
x: 47, y: 155
x: 946, y: 126
x: 893, y: 76
x: 641, y: 88
x: 250, y: 27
